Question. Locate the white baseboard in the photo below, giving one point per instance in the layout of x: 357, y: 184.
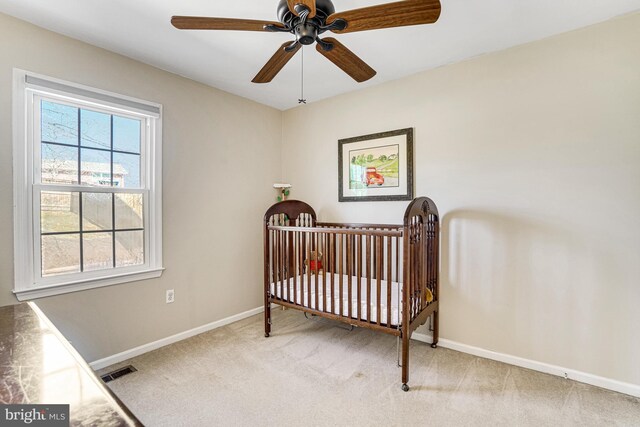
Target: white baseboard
x: 137, y: 351
x: 572, y: 374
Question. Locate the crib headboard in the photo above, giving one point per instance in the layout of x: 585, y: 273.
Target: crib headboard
x: 421, y: 252
x: 290, y: 212
x: 423, y: 207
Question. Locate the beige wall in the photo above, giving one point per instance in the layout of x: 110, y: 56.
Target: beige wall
x: 533, y: 156
x: 221, y: 156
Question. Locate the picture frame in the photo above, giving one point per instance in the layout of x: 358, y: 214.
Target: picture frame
x: 376, y: 167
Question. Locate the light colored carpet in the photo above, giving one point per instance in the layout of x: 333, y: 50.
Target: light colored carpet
x: 311, y: 373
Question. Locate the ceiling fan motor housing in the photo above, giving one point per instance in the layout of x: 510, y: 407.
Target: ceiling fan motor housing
x: 306, y: 33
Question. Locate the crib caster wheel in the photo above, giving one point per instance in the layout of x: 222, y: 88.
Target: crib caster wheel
x: 434, y: 345
x: 266, y: 335
x: 405, y: 387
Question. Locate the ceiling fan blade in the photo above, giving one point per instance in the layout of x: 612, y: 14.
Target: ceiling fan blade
x: 398, y: 14
x: 346, y: 60
x: 311, y: 5
x: 275, y: 64
x: 203, y: 23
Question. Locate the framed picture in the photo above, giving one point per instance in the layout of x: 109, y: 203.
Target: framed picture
x: 376, y: 167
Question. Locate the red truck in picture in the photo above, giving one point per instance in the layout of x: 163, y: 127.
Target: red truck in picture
x: 373, y: 177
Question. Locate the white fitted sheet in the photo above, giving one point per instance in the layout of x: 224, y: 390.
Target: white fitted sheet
x: 303, y: 289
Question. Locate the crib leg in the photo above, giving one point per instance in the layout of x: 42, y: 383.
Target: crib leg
x: 267, y: 319
x: 436, y: 327
x: 405, y: 362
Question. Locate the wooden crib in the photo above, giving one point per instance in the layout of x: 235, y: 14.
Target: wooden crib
x: 376, y: 276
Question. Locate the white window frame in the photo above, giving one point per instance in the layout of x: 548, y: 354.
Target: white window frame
x: 28, y: 89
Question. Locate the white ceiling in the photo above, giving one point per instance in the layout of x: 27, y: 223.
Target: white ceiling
x: 228, y: 60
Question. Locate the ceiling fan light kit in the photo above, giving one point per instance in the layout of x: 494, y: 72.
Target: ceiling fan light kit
x: 308, y: 19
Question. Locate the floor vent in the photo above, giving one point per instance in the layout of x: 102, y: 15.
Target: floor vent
x: 118, y: 373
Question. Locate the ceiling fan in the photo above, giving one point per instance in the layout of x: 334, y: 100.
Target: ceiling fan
x: 308, y: 19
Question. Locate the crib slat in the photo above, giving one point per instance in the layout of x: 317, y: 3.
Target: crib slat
x: 294, y: 254
x: 315, y: 273
x: 320, y: 272
x: 271, y: 260
x: 300, y: 256
x: 420, y: 266
x: 378, y: 257
x: 423, y: 270
x: 389, y: 281
x: 374, y: 265
x: 422, y: 278
x: 301, y: 272
x: 287, y: 264
x: 334, y: 243
x: 282, y: 264
x: 276, y: 266
x: 290, y: 264
x: 331, y: 271
x: 416, y: 279
x: 340, y: 266
x: 307, y: 245
x: 397, y: 264
x: 419, y: 283
x: 436, y: 261
x: 285, y: 273
x: 359, y: 276
x: 349, y: 273
x: 410, y: 267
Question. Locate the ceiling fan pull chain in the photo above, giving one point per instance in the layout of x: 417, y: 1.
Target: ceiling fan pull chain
x: 302, y: 100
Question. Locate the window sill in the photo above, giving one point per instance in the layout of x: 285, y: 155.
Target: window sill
x: 65, y: 288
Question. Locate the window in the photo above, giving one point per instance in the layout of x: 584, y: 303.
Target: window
x: 87, y: 175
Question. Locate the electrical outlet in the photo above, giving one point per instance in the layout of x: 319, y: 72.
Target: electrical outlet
x: 171, y: 296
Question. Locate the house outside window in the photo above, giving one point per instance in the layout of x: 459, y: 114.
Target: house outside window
x: 87, y: 175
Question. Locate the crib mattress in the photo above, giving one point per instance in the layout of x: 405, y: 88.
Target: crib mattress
x: 304, y: 288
